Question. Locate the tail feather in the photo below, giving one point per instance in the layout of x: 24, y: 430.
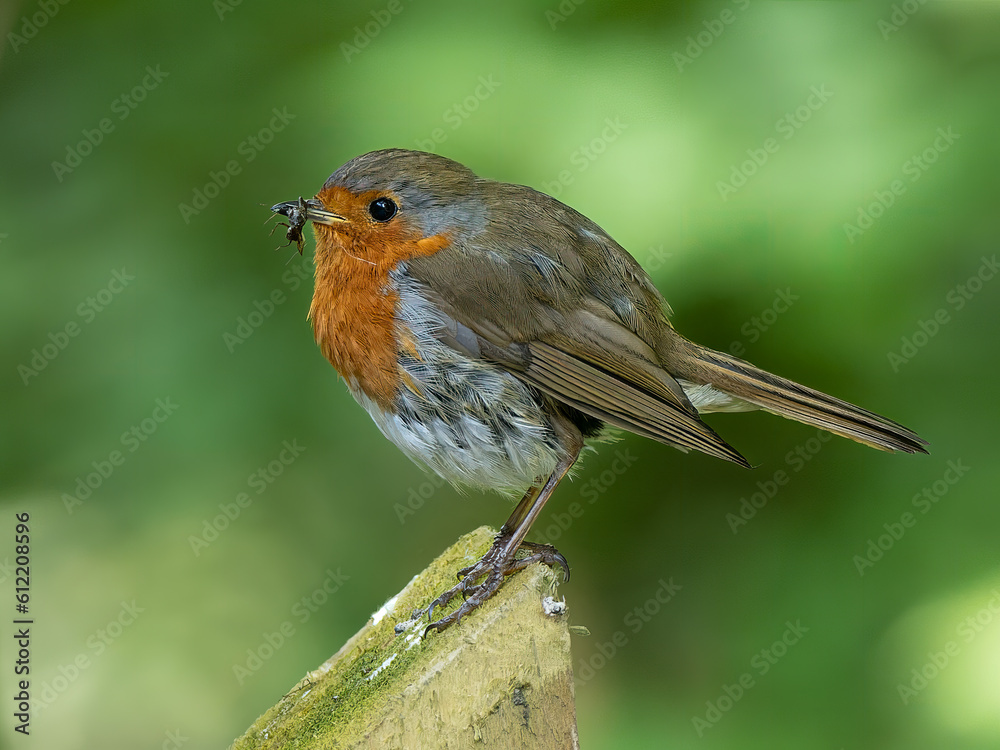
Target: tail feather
x: 785, y: 398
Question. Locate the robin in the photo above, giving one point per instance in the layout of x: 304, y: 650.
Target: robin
x: 491, y: 331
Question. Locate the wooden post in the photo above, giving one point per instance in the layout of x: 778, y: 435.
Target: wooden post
x: 501, y: 678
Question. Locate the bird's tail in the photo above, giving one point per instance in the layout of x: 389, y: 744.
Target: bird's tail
x: 778, y: 395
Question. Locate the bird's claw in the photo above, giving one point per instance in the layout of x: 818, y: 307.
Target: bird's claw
x: 543, y: 553
x: 492, y: 568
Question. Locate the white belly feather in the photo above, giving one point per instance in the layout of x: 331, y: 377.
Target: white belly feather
x: 470, y: 421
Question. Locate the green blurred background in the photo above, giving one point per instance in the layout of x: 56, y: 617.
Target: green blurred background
x: 634, y: 114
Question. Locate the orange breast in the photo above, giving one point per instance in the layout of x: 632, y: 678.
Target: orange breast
x: 353, y: 306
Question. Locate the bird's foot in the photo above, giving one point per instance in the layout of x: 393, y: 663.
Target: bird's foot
x: 492, y: 569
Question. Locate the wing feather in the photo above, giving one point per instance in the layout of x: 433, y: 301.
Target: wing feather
x: 619, y: 402
x: 565, y: 308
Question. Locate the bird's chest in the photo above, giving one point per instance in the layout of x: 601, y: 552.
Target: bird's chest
x: 354, y: 321
x: 467, y: 419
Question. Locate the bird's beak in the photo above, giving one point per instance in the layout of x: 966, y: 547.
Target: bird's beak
x: 302, y: 210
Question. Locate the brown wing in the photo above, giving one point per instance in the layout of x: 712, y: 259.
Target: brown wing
x: 568, y: 311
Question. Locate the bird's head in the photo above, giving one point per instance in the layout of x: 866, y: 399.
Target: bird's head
x: 377, y: 206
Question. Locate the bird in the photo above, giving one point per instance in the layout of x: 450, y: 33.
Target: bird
x: 493, y: 332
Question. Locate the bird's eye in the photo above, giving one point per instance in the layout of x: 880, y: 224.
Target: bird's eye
x: 382, y: 209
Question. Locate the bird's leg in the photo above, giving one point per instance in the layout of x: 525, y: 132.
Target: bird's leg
x: 468, y: 576
x: 501, y: 558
